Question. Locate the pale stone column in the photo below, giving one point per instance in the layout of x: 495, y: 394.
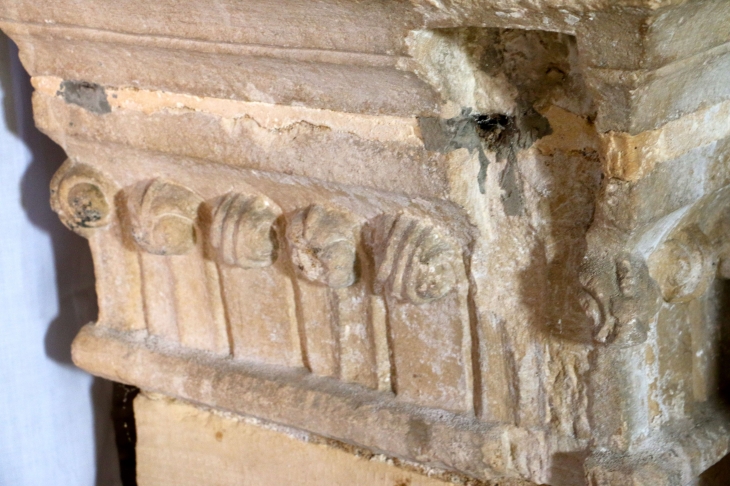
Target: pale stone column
x: 484, y: 240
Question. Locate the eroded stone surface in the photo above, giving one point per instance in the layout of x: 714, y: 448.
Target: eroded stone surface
x: 485, y: 236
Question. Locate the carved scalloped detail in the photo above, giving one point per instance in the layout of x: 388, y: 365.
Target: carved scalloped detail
x: 414, y: 261
x: 163, y: 217
x: 243, y: 230
x: 323, y: 245
x: 82, y: 197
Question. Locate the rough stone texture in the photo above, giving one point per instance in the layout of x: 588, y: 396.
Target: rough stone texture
x: 487, y: 237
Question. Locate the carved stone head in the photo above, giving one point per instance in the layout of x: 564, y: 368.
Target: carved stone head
x: 621, y: 299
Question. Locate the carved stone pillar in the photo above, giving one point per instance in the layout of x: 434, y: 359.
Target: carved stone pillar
x: 487, y: 239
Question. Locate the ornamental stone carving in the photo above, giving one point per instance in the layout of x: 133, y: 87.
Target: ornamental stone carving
x: 82, y: 197
x: 162, y: 217
x: 485, y: 239
x: 242, y: 230
x: 323, y: 246
x: 684, y: 265
x: 413, y: 261
x: 622, y: 299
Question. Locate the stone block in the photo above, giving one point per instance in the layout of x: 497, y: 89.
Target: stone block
x: 180, y: 445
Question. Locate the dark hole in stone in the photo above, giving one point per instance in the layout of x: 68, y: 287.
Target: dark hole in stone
x: 491, y: 122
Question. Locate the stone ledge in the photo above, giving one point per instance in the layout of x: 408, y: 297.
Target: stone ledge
x: 372, y: 420
x: 179, y: 444
x: 294, y: 398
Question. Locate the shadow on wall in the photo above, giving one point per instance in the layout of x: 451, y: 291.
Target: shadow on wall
x: 77, y: 303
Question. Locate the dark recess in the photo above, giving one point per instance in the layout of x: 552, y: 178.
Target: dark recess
x: 125, y: 431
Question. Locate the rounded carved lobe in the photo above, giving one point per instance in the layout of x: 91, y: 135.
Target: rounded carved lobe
x: 323, y: 245
x: 242, y: 231
x: 162, y: 217
x: 82, y: 197
x: 413, y: 260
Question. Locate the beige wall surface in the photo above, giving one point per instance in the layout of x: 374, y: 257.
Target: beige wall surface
x: 180, y: 445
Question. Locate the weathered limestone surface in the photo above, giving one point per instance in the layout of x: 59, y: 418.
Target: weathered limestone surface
x: 487, y: 237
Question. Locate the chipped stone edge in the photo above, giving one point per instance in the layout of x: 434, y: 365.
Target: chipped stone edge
x: 676, y: 455
x: 272, y: 117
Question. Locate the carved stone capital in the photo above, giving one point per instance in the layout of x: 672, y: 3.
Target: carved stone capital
x: 503, y: 225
